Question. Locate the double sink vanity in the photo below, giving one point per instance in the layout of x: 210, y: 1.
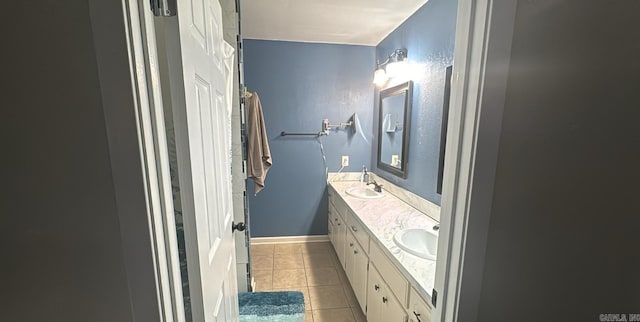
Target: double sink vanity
x: 386, y: 238
x: 386, y: 247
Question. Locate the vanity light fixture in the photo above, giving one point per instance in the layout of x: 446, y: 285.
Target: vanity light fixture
x: 391, y: 67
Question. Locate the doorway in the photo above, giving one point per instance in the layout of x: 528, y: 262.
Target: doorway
x: 184, y: 73
x: 457, y: 236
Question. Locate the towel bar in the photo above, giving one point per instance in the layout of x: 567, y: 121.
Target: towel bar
x: 283, y: 133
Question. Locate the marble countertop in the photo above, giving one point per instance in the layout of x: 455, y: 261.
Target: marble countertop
x: 383, y: 217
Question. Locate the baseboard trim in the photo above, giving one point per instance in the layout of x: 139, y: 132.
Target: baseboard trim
x: 289, y: 239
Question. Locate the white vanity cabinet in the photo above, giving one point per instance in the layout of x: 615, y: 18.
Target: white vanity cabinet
x: 351, y: 243
x: 381, y: 289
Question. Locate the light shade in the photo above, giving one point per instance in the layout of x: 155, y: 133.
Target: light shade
x: 380, y: 76
x: 393, y: 66
x: 396, y: 68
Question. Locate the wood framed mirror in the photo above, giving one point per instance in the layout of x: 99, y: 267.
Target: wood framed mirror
x: 394, y: 127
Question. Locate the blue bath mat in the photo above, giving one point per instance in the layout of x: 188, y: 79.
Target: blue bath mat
x: 271, y: 307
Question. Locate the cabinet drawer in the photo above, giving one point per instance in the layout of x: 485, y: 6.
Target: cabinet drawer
x: 333, y: 214
x: 394, y: 279
x: 358, y: 231
x: 331, y: 193
x: 419, y: 311
x: 339, y: 205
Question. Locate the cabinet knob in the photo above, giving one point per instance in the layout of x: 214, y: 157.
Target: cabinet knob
x: 354, y: 228
x: 355, y: 251
x: 339, y: 224
x: 350, y: 244
x: 384, y: 299
x: 376, y: 287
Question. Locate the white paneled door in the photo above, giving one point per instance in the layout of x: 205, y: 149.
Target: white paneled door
x: 203, y: 147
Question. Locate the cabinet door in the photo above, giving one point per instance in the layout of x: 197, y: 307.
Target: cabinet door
x: 419, y: 311
x: 340, y: 237
x: 349, y: 266
x: 359, y: 280
x: 374, y: 296
x: 356, y: 261
x: 392, y: 310
x: 332, y: 224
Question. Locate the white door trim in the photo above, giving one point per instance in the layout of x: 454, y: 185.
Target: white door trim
x: 111, y: 27
x: 481, y: 62
x: 153, y: 147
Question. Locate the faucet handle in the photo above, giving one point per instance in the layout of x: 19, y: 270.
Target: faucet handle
x: 377, y: 187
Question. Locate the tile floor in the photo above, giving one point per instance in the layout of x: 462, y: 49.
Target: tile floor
x: 314, y: 270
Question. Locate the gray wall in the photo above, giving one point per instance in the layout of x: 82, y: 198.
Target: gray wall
x: 563, y: 239
x: 65, y: 254
x: 300, y: 84
x: 429, y: 37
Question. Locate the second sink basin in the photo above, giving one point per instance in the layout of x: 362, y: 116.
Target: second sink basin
x: 418, y: 241
x: 364, y: 193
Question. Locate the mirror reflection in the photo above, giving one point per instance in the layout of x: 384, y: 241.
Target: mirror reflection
x: 393, y: 129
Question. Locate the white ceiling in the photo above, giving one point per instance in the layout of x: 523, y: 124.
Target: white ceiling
x: 357, y: 22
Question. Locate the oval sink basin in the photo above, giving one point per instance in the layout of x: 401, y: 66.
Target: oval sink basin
x: 418, y: 241
x: 364, y: 193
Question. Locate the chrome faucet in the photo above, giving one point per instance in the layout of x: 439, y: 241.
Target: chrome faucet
x: 377, y: 187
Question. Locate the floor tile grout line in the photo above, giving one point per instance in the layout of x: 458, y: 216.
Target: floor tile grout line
x: 308, y: 290
x: 273, y: 260
x: 354, y: 315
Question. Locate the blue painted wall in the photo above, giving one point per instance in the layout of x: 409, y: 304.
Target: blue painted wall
x: 300, y: 84
x: 429, y: 37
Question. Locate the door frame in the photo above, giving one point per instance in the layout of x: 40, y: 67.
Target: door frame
x: 482, y: 50
x: 484, y: 32
x: 147, y: 91
x: 147, y: 94
x: 123, y: 103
